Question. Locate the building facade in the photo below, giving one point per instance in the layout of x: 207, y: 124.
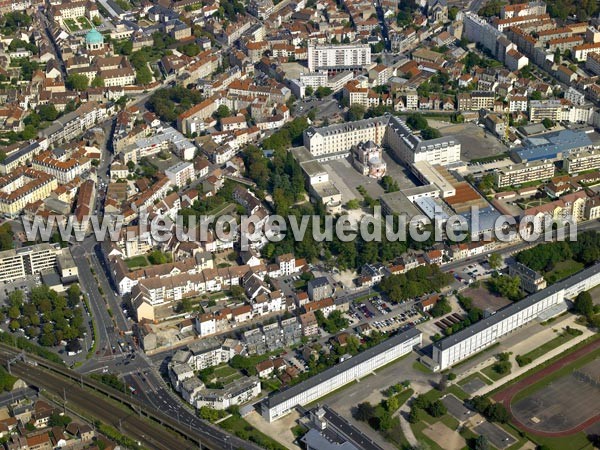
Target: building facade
x: 282, y: 403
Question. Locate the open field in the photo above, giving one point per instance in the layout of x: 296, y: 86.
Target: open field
x: 136, y: 261
x: 563, y: 270
x: 492, y: 374
x: 484, y: 299
x: 476, y: 143
x: 548, y: 346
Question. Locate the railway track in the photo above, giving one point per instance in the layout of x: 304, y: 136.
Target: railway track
x: 152, y: 429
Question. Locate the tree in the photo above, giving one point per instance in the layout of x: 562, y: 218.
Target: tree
x: 495, y: 260
x: 430, y: 133
x: 497, y: 413
x: 557, y: 55
x: 481, y: 443
x: 415, y: 415
x: 480, y: 403
x: 441, y: 308
x: 584, y: 304
x: 506, y: 286
x: 356, y: 112
x: 223, y: 111
x: 48, y: 112
x: 77, y: 82
x: 536, y: 95
x: 416, y: 121
x: 548, y: 123
x: 364, y: 412
x: 143, y: 75
x: 437, y: 409
x: 97, y: 82
x: 353, y: 204
x: 323, y: 91
x: 309, y: 91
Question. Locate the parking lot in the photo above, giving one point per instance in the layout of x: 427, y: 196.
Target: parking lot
x: 496, y: 435
x: 472, y: 385
x: 456, y: 408
x: 380, y: 315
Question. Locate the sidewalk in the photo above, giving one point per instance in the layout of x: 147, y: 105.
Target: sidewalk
x: 523, y: 341
x: 518, y: 371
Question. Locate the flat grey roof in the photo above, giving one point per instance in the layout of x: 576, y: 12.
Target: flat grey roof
x: 398, y: 203
x: 514, y: 308
x: 280, y: 397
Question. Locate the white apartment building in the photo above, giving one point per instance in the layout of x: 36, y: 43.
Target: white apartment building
x: 208, y: 352
x: 281, y: 403
x: 319, y: 79
x: 235, y: 393
x: 546, y: 109
x: 64, y: 168
x: 205, y: 324
x: 581, y: 52
x: 517, y: 103
x: 287, y: 264
x: 412, y: 149
x: 338, y: 57
x: 521, y: 173
x: 181, y: 173
x: 124, y: 76
x: 34, y: 259
x: 24, y: 186
x: 574, y: 96
x: 523, y: 9
x: 581, y: 161
x: 592, y: 63
x: 484, y: 333
x: 335, y: 141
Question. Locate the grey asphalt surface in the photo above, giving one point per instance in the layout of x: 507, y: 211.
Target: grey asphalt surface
x: 456, y: 408
x: 496, y: 435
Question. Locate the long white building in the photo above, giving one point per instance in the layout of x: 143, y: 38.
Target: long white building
x: 335, y: 141
x: 282, y: 403
x: 486, y: 332
x: 338, y: 57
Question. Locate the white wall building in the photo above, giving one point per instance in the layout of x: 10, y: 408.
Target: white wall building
x: 282, y: 403
x: 486, y: 332
x: 180, y: 173
x: 338, y: 57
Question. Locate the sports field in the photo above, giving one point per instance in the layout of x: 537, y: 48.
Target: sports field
x: 561, y: 399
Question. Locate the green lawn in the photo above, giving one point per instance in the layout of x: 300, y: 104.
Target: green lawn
x: 458, y: 392
x: 136, y: 261
x: 84, y: 23
x: 271, y: 384
x: 420, y: 367
x: 577, y: 441
x: 247, y: 432
x: 474, y: 376
x: 548, y: 346
x: 71, y: 25
x: 492, y: 374
x: 225, y: 371
x: 563, y: 270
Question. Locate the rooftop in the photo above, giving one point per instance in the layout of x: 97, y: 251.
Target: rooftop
x: 283, y: 396
x: 514, y: 308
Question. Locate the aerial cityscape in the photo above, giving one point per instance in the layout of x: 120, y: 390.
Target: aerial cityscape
x: 300, y: 224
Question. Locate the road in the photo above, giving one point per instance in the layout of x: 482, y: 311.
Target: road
x: 476, y: 5
x: 144, y: 430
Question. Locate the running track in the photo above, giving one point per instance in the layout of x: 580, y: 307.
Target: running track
x: 505, y: 397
